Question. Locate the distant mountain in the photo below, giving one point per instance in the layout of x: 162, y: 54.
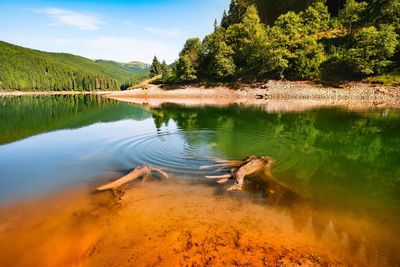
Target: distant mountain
x: 121, y: 70
x: 27, y: 69
x: 137, y: 65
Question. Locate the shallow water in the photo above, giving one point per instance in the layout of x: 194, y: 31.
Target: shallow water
x: 344, y: 164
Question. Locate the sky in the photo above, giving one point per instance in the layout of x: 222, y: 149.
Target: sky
x: 119, y: 30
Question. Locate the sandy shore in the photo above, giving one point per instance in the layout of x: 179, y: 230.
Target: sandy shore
x: 274, y: 95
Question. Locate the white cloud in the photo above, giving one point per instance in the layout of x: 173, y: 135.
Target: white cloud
x: 164, y: 32
x: 82, y: 21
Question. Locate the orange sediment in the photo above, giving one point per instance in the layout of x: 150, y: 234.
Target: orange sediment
x: 174, y: 223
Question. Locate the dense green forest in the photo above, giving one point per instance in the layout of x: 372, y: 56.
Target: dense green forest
x: 27, y: 69
x: 321, y: 41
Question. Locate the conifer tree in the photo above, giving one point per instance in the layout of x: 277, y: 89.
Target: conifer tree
x: 155, y: 68
x: 225, y: 20
x: 165, y: 72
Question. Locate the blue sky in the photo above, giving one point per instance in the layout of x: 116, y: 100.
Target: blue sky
x: 115, y: 30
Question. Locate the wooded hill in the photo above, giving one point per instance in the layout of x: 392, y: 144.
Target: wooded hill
x: 27, y: 69
x: 320, y: 40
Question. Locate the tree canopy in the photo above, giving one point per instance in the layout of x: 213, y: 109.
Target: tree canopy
x: 360, y: 40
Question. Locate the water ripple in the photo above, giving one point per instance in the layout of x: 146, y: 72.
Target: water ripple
x: 184, y: 151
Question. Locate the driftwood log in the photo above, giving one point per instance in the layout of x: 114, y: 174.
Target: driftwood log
x: 143, y: 171
x: 239, y: 169
x: 260, y: 169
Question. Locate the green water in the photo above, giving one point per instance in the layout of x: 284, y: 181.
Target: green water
x: 339, y: 161
x: 348, y: 160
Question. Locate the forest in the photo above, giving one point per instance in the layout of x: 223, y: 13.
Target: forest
x: 323, y: 41
x: 29, y: 70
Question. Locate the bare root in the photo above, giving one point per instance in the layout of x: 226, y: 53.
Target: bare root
x: 141, y: 172
x: 240, y: 169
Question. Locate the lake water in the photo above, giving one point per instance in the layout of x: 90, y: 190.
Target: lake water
x: 338, y: 162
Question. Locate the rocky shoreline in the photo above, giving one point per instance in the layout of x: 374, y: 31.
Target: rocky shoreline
x: 276, y: 95
x: 272, y: 95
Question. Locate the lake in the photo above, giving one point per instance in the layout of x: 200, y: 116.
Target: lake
x: 342, y: 164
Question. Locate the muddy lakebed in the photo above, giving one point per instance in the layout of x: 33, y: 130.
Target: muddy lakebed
x: 343, y: 168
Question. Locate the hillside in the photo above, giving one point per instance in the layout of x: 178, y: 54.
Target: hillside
x: 331, y: 44
x: 26, y: 69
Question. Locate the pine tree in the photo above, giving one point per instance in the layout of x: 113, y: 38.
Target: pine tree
x: 215, y: 24
x: 233, y: 12
x: 237, y: 9
x: 225, y: 20
x: 155, y: 68
x: 165, y: 73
